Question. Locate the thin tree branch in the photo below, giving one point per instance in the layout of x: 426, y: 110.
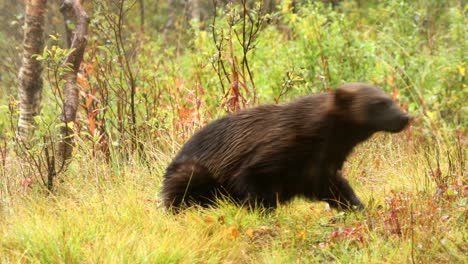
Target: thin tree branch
x: 72, y: 10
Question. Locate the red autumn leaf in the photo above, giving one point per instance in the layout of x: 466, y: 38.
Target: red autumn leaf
x: 231, y: 232
x: 26, y: 182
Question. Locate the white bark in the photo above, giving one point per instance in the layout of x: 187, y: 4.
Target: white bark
x: 29, y: 78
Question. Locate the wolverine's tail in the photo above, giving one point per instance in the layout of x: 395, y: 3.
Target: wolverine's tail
x: 187, y: 183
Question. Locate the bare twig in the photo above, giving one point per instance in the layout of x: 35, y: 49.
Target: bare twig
x: 240, y: 74
x: 219, y: 47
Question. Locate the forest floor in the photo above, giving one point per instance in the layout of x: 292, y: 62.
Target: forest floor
x: 102, y: 213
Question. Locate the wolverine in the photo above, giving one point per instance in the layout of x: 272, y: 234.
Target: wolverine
x: 267, y: 155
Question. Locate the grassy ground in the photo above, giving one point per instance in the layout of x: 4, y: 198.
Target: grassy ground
x: 112, y: 214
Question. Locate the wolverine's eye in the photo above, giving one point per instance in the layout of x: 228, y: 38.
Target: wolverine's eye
x: 379, y: 103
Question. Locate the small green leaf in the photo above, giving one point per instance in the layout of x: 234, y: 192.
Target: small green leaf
x: 71, y: 26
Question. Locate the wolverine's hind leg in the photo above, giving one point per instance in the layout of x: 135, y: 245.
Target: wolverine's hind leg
x: 186, y: 183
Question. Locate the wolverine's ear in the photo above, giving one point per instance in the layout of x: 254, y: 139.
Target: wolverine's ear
x: 343, y: 97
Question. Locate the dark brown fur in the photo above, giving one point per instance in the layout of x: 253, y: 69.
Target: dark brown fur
x: 270, y: 154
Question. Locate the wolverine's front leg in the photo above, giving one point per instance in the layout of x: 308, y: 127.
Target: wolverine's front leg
x: 340, y: 194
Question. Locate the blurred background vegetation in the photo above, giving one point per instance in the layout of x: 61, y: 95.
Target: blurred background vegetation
x: 191, y: 59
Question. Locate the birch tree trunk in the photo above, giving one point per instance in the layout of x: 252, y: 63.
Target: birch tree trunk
x: 73, y: 13
x: 29, y: 77
x: 197, y: 10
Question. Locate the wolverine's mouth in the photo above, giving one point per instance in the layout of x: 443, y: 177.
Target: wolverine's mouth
x: 400, y: 124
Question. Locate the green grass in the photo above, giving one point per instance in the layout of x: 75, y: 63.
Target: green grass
x: 103, y: 215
